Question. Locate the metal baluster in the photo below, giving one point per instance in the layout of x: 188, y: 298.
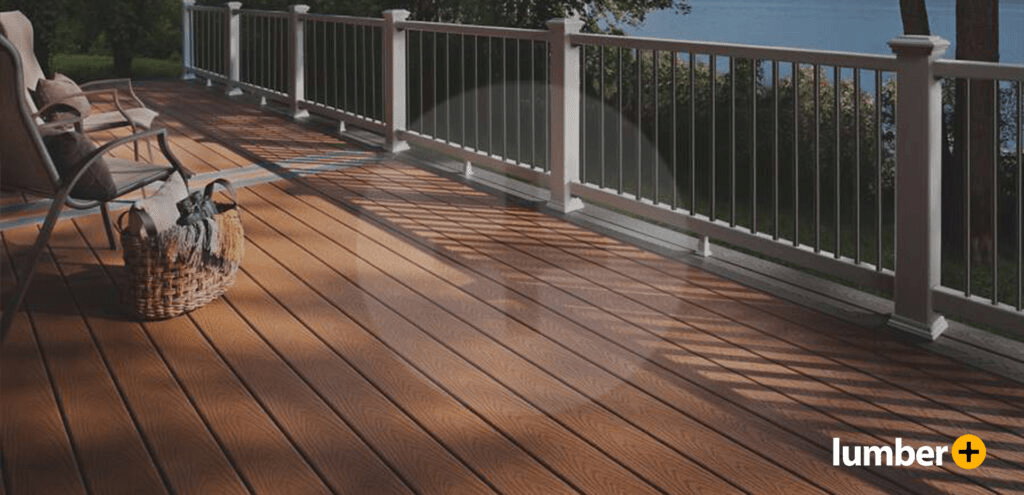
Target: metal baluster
x: 675, y: 144
x: 447, y: 87
x: 374, y: 84
x: 817, y: 159
x: 693, y: 136
x: 1020, y: 195
x: 463, y: 91
x: 519, y: 101
x: 422, y: 79
x: 504, y: 98
x: 753, y: 144
x: 967, y: 188
x: 732, y: 141
x: 837, y: 114
x: 491, y: 96
x: 796, y: 154
x: 856, y: 171
x: 712, y: 73
x: 334, y: 70
x: 657, y: 148
x: 311, y: 68
x: 776, y: 108
x: 622, y: 122
x: 603, y: 112
x: 583, y: 114
x: 995, y: 191
x: 368, y: 94
x: 364, y: 56
x: 878, y: 168
x: 546, y: 91
x: 639, y: 123
x: 344, y: 63
x: 533, y: 104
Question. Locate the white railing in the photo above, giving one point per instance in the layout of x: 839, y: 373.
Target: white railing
x: 790, y: 153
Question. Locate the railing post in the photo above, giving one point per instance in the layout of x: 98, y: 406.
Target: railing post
x: 394, y: 80
x: 565, y: 122
x: 187, y: 59
x: 297, y: 54
x: 918, y: 185
x: 233, y: 28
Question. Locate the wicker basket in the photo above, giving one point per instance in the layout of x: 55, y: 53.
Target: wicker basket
x: 163, y: 284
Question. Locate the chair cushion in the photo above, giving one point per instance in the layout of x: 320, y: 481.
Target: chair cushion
x: 67, y: 150
x: 130, y: 175
x: 58, y: 89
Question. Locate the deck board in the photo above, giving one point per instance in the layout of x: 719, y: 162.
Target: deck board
x: 747, y: 429
x: 159, y: 403
x: 37, y: 453
x: 109, y: 447
x: 396, y: 331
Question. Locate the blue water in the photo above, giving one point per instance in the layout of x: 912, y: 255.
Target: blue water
x: 861, y: 26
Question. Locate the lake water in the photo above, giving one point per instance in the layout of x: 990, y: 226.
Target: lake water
x: 861, y: 26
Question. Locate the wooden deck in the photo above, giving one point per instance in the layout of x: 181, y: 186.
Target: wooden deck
x: 396, y: 331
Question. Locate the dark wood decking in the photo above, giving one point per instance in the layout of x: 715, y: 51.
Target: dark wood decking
x: 395, y: 331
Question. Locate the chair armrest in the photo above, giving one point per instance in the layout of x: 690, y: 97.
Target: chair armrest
x: 115, y: 82
x: 110, y: 91
x: 75, y: 121
x: 95, y: 92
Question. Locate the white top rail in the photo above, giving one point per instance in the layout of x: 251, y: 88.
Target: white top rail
x: 971, y: 69
x: 264, y: 13
x: 842, y: 59
x: 344, y: 19
x: 205, y: 8
x: 473, y: 30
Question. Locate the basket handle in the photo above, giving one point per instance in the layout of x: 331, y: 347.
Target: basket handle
x: 147, y: 222
x: 226, y: 184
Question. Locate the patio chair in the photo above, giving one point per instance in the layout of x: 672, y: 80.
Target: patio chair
x: 18, y: 30
x: 27, y: 166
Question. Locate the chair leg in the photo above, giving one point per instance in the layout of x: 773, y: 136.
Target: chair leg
x: 105, y: 211
x: 29, y: 269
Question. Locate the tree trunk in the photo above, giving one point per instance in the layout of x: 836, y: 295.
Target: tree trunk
x: 915, y: 17
x: 123, y: 61
x: 977, y: 38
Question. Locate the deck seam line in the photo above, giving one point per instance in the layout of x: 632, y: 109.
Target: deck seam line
x: 485, y: 373
x: 386, y: 226
x: 262, y: 405
x: 612, y: 291
x: 147, y: 444
x: 316, y: 391
x: 419, y: 370
x: 315, y: 334
x: 674, y: 344
x: 144, y: 330
x: 57, y: 396
x: 531, y: 362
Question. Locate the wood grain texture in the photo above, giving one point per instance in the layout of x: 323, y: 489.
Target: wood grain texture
x: 36, y: 452
x: 113, y: 455
x: 182, y: 445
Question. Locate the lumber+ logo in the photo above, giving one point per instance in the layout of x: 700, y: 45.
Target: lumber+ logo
x: 968, y: 452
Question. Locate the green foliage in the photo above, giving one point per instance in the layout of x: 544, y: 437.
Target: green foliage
x: 86, y: 67
x: 599, y: 15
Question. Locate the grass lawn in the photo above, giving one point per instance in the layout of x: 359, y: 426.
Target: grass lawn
x: 91, y: 67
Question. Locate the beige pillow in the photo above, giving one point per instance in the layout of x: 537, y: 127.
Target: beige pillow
x: 59, y: 88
